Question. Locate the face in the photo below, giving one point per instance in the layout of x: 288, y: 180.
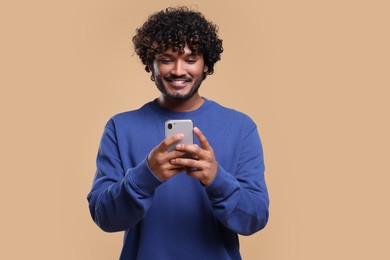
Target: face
x: 178, y: 76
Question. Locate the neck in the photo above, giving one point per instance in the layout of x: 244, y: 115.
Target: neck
x: 191, y: 104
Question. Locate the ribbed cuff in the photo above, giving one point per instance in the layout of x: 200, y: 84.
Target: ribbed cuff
x: 222, y: 185
x: 143, y: 179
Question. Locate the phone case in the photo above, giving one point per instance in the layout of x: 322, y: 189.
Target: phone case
x: 184, y: 126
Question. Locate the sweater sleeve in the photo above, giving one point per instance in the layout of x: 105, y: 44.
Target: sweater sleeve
x: 119, y: 198
x: 240, y: 200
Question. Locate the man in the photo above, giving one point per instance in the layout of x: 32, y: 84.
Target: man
x: 174, y: 207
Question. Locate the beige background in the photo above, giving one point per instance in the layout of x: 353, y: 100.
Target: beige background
x: 313, y: 74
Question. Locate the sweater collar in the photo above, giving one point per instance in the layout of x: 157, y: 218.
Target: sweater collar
x: 179, y: 115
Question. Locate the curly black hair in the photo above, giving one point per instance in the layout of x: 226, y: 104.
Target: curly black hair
x: 174, y: 28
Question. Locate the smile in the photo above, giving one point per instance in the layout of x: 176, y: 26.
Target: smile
x: 178, y: 82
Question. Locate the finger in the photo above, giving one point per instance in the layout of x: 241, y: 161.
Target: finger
x: 193, y: 149
x: 163, y: 146
x: 178, y: 169
x: 202, y: 139
x: 173, y: 168
x: 172, y: 171
x: 175, y: 154
x: 184, y: 162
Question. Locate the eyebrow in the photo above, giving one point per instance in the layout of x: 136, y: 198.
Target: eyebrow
x: 185, y: 54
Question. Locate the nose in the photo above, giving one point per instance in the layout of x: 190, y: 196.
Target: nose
x: 178, y: 69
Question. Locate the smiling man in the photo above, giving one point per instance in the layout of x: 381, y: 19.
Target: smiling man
x: 170, y: 206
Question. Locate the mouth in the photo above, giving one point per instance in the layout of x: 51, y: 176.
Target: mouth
x: 178, y: 83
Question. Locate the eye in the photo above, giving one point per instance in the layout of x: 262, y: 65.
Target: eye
x: 165, y: 61
x: 191, y: 61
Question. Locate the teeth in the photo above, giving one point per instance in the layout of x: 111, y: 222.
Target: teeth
x: 179, y: 81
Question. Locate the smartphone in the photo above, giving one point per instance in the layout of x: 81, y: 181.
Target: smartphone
x: 182, y: 126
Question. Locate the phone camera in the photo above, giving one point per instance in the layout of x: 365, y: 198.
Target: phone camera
x: 169, y: 126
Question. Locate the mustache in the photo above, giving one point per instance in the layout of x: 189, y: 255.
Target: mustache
x: 172, y: 77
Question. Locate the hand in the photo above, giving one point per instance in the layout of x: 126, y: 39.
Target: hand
x: 204, y: 165
x: 159, y: 159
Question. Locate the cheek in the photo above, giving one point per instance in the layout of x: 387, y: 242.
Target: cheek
x: 162, y: 71
x: 198, y: 70
x: 158, y: 69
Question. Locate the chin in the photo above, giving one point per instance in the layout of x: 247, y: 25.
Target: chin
x: 178, y: 97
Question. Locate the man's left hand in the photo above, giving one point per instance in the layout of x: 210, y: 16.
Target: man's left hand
x: 203, y: 166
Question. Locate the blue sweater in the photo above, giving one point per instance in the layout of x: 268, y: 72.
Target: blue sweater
x: 179, y: 218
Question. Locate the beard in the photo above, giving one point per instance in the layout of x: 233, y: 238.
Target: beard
x: 177, y: 97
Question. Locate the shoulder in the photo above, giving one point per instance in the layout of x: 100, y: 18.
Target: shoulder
x: 131, y: 116
x: 230, y: 114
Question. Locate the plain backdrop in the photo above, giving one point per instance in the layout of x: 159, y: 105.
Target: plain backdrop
x: 314, y: 75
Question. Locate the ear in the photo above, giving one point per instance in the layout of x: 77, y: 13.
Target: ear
x: 205, y: 68
x: 150, y: 70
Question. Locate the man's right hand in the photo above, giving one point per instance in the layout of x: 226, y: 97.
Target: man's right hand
x: 159, y: 158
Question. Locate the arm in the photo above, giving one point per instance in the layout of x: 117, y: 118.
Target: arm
x: 240, y: 200
x: 120, y: 198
